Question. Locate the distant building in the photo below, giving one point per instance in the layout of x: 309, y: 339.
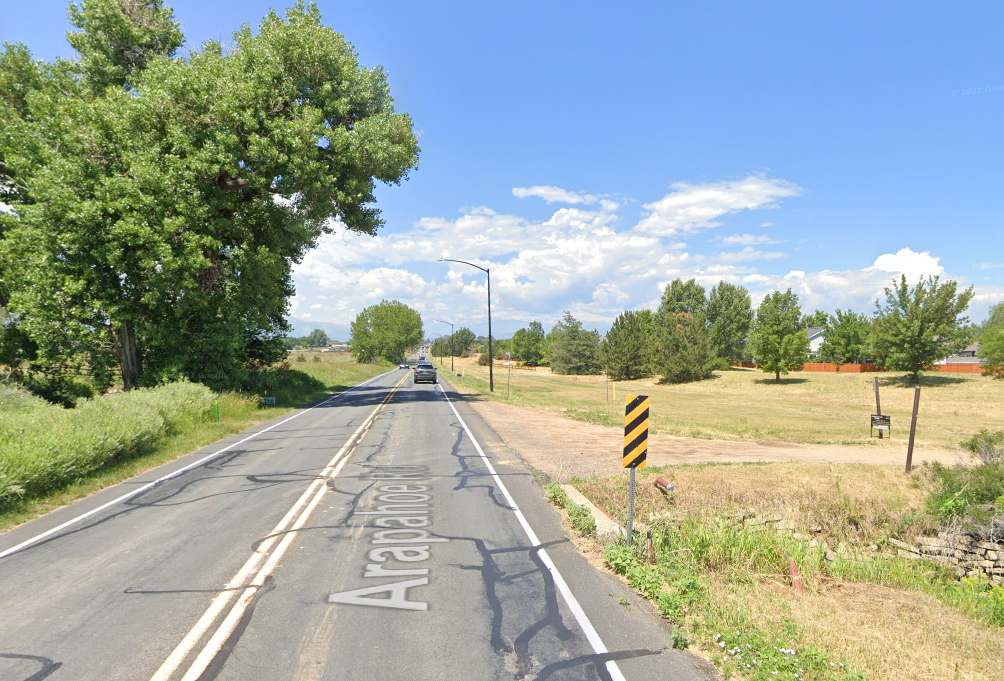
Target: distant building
x: 966, y: 355
x: 816, y: 339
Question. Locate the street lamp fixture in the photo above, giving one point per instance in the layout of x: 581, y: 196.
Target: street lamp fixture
x: 443, y: 321
x: 491, y: 358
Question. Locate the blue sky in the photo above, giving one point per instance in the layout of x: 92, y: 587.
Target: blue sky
x: 589, y: 153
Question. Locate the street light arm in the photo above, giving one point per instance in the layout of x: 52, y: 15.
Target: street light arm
x: 464, y: 262
x: 491, y: 359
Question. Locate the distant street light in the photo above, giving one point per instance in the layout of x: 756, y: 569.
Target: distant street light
x: 491, y: 360
x: 443, y: 321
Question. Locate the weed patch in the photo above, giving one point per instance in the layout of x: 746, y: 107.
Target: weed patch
x: 720, y: 571
x: 579, y: 517
x: 735, y: 642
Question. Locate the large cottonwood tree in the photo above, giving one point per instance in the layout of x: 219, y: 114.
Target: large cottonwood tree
x: 385, y: 331
x: 159, y: 202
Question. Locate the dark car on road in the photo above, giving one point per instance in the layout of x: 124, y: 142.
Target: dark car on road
x: 425, y: 373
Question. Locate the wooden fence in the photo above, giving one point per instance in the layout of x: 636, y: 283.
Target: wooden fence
x: 869, y: 368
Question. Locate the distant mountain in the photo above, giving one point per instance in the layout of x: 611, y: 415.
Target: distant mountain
x: 303, y: 327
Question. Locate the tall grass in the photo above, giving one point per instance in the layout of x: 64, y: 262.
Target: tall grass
x: 43, y: 446
x: 50, y: 456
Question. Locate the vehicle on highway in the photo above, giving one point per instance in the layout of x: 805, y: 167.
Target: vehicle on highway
x: 425, y: 373
x: 403, y: 365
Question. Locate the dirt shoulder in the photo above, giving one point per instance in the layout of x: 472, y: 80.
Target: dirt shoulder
x: 564, y: 447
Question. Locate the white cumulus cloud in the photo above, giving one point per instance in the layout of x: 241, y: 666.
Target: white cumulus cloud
x: 691, y: 207
x: 554, y: 194
x: 909, y: 263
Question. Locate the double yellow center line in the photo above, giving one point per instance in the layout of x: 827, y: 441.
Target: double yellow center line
x: 260, y: 565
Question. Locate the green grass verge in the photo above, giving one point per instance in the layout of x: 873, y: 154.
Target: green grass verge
x: 50, y: 456
x: 579, y: 516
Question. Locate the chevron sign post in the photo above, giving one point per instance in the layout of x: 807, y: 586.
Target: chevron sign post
x: 635, y: 446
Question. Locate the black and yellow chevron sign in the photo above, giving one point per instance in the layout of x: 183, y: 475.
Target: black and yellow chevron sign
x: 635, y: 431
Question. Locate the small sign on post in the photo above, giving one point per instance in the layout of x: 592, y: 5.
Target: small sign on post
x: 878, y: 402
x: 636, y: 413
x: 881, y: 423
x: 269, y: 401
x: 635, y: 431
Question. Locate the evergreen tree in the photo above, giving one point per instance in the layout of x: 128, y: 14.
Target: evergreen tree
x: 685, y: 352
x: 573, y: 350
x: 730, y: 315
x: 627, y: 349
x: 779, y: 342
x: 683, y: 296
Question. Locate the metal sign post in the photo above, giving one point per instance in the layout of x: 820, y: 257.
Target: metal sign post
x: 878, y: 403
x: 606, y: 375
x: 636, y: 412
x: 913, y: 428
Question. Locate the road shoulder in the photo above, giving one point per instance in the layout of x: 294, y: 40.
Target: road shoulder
x: 627, y: 623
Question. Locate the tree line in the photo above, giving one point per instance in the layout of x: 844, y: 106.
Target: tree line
x: 158, y: 200
x: 914, y: 327
x: 693, y: 332
x: 318, y: 338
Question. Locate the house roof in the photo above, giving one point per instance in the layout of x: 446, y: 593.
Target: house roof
x: 815, y: 331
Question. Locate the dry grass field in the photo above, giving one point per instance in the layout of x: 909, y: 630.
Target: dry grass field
x: 746, y: 404
x: 890, y: 624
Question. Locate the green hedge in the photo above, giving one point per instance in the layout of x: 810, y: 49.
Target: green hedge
x: 43, y: 446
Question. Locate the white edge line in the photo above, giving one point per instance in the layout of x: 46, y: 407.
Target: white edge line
x: 573, y: 604
x: 73, y: 521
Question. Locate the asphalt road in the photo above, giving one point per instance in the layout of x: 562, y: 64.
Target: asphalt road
x: 386, y: 533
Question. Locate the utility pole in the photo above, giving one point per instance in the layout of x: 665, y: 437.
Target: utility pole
x: 443, y: 321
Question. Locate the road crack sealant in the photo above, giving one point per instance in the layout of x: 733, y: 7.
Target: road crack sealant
x: 49, y: 667
x: 610, y: 668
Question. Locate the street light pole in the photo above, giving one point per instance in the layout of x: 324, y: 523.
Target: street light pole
x: 491, y: 359
x: 443, y: 321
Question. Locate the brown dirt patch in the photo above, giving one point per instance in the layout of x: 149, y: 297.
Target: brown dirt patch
x: 563, y: 447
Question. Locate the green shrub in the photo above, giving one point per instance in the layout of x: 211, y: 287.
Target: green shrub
x: 737, y: 642
x: 986, y: 447
x: 484, y: 360
x: 44, y: 447
x: 962, y: 491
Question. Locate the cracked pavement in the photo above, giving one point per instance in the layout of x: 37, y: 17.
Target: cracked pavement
x: 112, y: 596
